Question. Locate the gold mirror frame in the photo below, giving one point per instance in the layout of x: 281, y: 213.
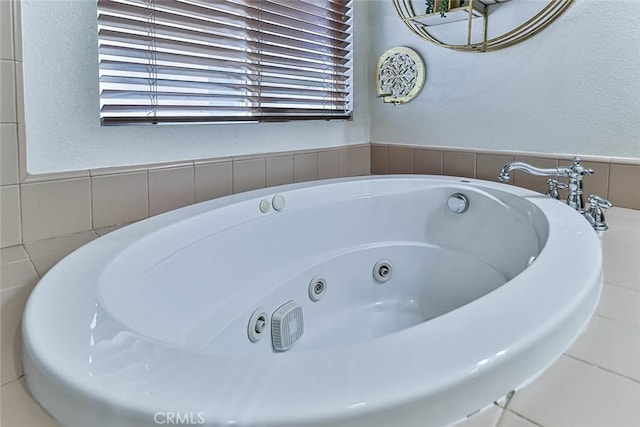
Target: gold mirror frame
x: 534, y: 25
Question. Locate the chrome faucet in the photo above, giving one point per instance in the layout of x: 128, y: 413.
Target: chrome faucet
x: 575, y: 172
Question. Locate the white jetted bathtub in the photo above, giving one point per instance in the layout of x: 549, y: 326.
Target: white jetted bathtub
x: 359, y: 302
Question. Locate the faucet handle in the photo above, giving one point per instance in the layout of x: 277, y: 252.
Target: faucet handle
x: 578, y: 168
x: 595, y: 214
x: 599, y: 202
x: 554, y: 186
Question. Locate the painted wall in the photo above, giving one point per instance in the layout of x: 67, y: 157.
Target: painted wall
x: 61, y: 103
x: 573, y: 88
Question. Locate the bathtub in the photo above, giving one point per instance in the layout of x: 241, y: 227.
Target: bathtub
x: 391, y: 307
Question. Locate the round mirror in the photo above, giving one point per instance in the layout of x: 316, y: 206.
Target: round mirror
x: 478, y: 25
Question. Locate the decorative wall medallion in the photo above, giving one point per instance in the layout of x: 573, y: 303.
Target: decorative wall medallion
x: 399, y: 75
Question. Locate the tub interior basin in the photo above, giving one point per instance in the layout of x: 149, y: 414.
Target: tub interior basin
x: 200, y: 293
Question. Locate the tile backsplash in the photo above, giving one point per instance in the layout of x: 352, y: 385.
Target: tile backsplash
x: 615, y: 179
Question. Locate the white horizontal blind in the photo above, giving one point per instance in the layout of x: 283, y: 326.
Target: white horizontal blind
x: 224, y: 60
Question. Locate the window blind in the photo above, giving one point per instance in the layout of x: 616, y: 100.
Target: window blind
x: 224, y: 60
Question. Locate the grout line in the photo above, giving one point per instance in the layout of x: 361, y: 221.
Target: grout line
x: 617, y: 374
x: 12, y: 381
x: 624, y: 322
x: 524, y: 418
x: 622, y: 286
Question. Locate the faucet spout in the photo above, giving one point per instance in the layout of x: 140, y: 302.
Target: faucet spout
x: 505, y: 173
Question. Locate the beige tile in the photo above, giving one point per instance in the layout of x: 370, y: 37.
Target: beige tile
x: 328, y: 164
x: 400, y: 160
x: 611, y: 345
x: 248, y: 174
x: 24, y: 410
x: 12, y: 303
x: 488, y: 417
x: 427, y: 162
x: 624, y: 188
x: 16, y: 268
x: 621, y: 246
x: 22, y: 152
x: 621, y: 304
x: 379, y: 159
x: 488, y: 166
x: 213, y: 180
x: 106, y: 230
x: 279, y: 170
x: 9, y: 153
x: 598, y: 183
x: 46, y: 253
x: 536, y: 183
x: 55, y: 208
x: 118, y: 199
x: 10, y: 233
x: 455, y: 163
x: 7, y: 92
x: 170, y: 189
x: 623, y: 217
x: 509, y: 419
x: 573, y: 393
x: 305, y: 167
x: 12, y: 254
x: 19, y: 94
x: 354, y: 161
x: 6, y: 30
x: 17, y: 30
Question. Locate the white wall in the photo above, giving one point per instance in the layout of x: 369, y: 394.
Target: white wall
x: 61, y: 103
x: 573, y: 88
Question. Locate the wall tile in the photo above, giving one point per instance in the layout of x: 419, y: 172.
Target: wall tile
x: 16, y: 268
x: 624, y: 185
x: 598, y: 183
x: 213, y: 180
x: 328, y: 164
x: 488, y: 166
x: 10, y: 233
x: 536, y: 183
x: 106, y: 230
x: 19, y: 94
x: 22, y: 152
x: 171, y: 188
x: 46, y: 253
x: 456, y: 163
x: 248, y: 174
x: 12, y: 303
x: 6, y: 30
x: 118, y: 199
x: 7, y: 92
x: 427, y: 162
x: 55, y: 208
x: 354, y: 161
x: 305, y: 167
x: 24, y: 410
x: 279, y: 170
x: 17, y: 29
x: 380, y: 159
x: 400, y: 159
x: 8, y: 154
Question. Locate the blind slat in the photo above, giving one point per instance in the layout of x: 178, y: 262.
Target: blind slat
x: 164, y: 61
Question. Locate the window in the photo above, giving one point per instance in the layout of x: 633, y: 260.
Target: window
x: 224, y: 60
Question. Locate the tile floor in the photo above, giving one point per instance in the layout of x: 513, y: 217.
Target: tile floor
x: 596, y: 383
